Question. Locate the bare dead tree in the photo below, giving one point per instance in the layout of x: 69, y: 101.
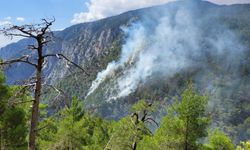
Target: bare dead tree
x: 42, y: 35
x: 143, y: 117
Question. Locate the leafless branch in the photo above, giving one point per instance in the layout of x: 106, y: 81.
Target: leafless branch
x: 21, y: 102
x: 61, y: 56
x: 41, y: 34
x: 13, y: 100
x: 29, y: 30
x: 23, y: 59
x: 48, y: 24
x: 32, y: 47
x: 42, y: 128
x: 60, y: 92
x: 151, y: 119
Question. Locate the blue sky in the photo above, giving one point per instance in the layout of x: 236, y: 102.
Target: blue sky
x: 34, y: 10
x: 69, y: 12
x: 66, y: 12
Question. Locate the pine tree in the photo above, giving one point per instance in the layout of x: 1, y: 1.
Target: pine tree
x: 13, y: 129
x: 130, y: 130
x: 218, y: 140
x: 184, y: 124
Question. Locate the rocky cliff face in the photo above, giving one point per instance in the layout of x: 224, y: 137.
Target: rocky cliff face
x: 93, y: 45
x: 81, y: 43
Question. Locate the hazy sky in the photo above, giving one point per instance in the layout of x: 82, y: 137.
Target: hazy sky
x: 68, y: 12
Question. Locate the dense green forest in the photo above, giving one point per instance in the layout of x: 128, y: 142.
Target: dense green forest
x: 185, y: 125
x: 202, y: 106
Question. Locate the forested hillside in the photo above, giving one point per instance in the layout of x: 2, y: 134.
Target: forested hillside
x: 175, y: 76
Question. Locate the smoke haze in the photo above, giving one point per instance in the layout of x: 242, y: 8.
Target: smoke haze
x: 165, y: 46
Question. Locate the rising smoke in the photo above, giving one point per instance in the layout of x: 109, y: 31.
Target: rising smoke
x: 175, y: 43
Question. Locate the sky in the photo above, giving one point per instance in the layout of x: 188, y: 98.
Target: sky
x: 69, y: 12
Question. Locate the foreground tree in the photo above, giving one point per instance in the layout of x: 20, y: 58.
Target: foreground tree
x: 243, y: 146
x: 73, y: 129
x: 184, y: 124
x: 218, y: 140
x: 13, y: 129
x: 130, y: 130
x: 42, y: 35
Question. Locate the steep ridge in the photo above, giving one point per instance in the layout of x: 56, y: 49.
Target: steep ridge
x: 83, y: 42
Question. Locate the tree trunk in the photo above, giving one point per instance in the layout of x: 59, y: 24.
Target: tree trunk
x: 35, y: 106
x: 134, y: 146
x: 42, y: 35
x: 2, y: 142
x: 186, y: 136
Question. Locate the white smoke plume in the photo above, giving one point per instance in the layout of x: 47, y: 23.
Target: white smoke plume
x: 171, y: 46
x: 129, y: 53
